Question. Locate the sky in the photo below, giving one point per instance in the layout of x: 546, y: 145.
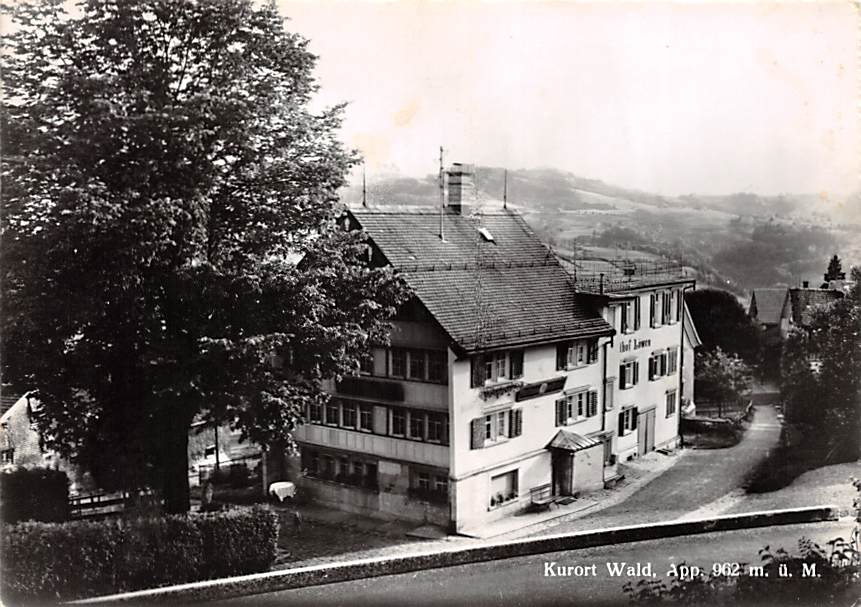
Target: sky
x: 668, y: 98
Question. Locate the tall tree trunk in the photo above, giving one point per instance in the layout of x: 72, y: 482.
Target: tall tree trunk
x: 174, y: 462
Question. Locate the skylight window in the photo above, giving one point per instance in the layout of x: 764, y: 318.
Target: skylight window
x: 485, y: 233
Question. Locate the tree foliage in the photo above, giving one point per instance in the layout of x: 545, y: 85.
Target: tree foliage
x: 835, y: 269
x: 162, y: 173
x: 820, y: 382
x: 721, y: 377
x: 722, y: 322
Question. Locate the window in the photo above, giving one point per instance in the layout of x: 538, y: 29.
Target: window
x: 608, y: 394
x: 348, y: 412
x: 671, y: 403
x: 576, y: 354
x: 399, y: 362
x: 503, y: 488
x: 496, y: 427
x: 516, y: 362
x: 7, y: 456
x: 672, y: 361
x: 417, y: 425
x: 657, y: 365
x: 427, y: 485
x: 489, y: 367
x: 573, y: 408
x: 436, y: 427
x: 440, y: 484
x: 366, y: 364
x: 630, y: 316
x: 627, y: 421
x: 399, y: 422
x: 629, y: 373
x: 333, y: 413
x: 315, y: 413
x: 436, y: 366
x: 366, y: 417
x: 655, y: 315
x: 423, y: 481
x: 417, y: 364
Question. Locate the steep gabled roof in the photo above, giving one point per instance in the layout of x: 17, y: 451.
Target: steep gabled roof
x: 804, y: 300
x: 497, y: 289
x: 769, y: 305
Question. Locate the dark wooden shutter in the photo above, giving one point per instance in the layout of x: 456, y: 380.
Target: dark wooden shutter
x: 637, y: 313
x: 561, y: 356
x: 623, y: 382
x: 652, y: 365
x: 515, y: 427
x: 593, y: 403
x: 634, y: 415
x: 560, y: 412
x: 636, y: 373
x: 516, y: 358
x: 621, y: 423
x: 477, y: 433
x: 652, y: 309
x: 680, y: 302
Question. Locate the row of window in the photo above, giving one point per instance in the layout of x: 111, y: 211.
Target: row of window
x: 665, y: 307
x: 399, y: 422
x: 409, y: 363
x: 352, y: 469
x: 361, y: 471
x: 574, y: 354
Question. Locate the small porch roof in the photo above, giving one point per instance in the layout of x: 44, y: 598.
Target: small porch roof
x: 571, y: 441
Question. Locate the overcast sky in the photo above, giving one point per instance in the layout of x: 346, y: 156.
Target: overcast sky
x: 669, y: 98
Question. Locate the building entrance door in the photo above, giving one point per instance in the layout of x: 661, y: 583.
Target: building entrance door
x: 563, y: 472
x: 646, y: 431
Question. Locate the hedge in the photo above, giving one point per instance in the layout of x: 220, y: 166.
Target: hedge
x: 38, y: 494
x: 45, y: 562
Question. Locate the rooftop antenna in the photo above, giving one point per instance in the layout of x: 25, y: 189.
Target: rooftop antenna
x: 364, y: 189
x: 505, y: 190
x: 441, y: 193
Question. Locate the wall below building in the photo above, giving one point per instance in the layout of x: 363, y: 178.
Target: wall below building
x: 589, y: 470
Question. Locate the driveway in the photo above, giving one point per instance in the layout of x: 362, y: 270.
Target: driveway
x: 699, y: 479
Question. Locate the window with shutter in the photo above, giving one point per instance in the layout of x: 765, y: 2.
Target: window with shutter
x: 561, y: 411
x: 593, y: 352
x: 477, y: 433
x: 680, y: 302
x: 622, y: 423
x: 634, y: 415
x: 592, y: 410
x: 652, y: 365
x: 623, y: 380
x: 636, y: 373
x: 478, y: 371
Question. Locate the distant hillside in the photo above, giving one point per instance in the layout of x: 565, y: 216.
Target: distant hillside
x: 739, y: 241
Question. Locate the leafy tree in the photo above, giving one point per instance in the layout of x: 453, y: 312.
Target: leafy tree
x: 722, y: 322
x: 821, y: 384
x: 163, y: 171
x: 721, y: 377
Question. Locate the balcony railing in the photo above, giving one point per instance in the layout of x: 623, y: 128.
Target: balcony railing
x: 626, y: 275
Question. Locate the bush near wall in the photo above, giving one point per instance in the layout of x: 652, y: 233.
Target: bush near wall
x: 44, y: 562
x: 37, y: 494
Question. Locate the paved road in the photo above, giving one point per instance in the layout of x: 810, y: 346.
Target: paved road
x: 700, y: 477
x: 522, y: 581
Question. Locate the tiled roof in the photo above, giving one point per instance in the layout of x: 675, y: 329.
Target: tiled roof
x: 571, y: 441
x: 803, y: 301
x: 769, y: 304
x: 7, y: 399
x: 485, y: 294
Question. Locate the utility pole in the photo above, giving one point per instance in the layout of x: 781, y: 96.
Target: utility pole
x: 505, y: 190
x: 441, y: 194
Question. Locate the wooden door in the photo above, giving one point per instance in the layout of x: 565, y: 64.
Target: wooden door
x: 646, y: 432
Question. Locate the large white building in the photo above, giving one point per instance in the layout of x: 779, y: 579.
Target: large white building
x: 508, y: 380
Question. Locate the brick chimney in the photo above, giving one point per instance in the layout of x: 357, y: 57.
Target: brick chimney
x: 461, y: 188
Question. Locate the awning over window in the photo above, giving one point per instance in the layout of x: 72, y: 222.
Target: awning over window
x: 571, y: 441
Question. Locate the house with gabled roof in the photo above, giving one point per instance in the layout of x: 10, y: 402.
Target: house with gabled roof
x: 770, y: 309
x: 496, y: 392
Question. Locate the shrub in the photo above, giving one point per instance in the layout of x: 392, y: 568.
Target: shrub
x: 45, y: 562
x: 37, y: 494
